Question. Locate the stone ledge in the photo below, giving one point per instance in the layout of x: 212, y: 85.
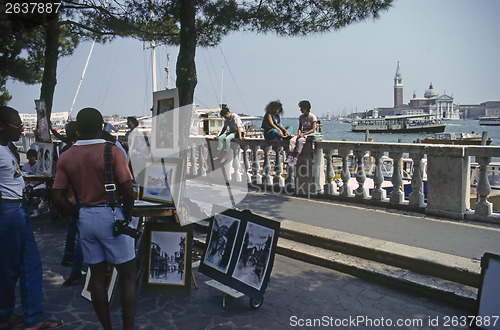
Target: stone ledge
x: 452, y: 292
x: 437, y: 264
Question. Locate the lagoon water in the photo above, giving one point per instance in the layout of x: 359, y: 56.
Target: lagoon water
x: 338, y: 131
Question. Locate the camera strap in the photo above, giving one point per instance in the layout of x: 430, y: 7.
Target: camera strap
x: 109, y: 185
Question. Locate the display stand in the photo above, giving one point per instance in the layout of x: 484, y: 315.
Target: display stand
x: 226, y: 290
x: 230, y: 292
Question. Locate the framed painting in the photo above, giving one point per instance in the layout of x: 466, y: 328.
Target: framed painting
x: 488, y: 296
x: 168, y: 255
x: 245, y: 262
x: 220, y: 246
x: 163, y: 180
x: 45, y: 158
x: 165, y: 123
x: 111, y: 285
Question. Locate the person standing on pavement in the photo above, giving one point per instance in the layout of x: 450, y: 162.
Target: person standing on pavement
x: 82, y: 168
x: 19, y: 256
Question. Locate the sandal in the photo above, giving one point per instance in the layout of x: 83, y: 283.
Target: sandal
x: 16, y: 321
x: 47, y: 324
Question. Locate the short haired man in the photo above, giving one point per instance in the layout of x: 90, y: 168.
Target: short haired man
x: 82, y: 168
x: 19, y: 256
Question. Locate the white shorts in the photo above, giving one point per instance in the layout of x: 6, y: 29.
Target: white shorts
x: 98, y: 242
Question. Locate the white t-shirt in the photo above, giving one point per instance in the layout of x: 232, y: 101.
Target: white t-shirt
x: 233, y: 122
x: 28, y: 168
x: 307, y: 122
x: 11, y: 179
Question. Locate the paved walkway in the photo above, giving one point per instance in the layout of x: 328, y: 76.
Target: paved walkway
x: 299, y: 293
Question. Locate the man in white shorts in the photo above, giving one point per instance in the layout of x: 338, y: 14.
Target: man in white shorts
x: 82, y: 168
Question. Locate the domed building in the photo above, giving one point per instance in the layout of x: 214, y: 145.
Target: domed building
x: 432, y: 103
x: 441, y: 106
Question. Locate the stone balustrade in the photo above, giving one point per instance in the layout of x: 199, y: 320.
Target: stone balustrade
x: 438, y: 176
x: 366, y: 172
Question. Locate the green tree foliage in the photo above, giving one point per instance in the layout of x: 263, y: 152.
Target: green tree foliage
x: 23, y: 46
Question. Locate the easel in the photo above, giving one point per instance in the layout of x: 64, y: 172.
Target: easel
x: 226, y: 290
x: 153, y: 212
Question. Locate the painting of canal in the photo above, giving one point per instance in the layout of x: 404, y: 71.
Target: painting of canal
x: 221, y: 245
x: 254, y: 255
x: 167, y: 257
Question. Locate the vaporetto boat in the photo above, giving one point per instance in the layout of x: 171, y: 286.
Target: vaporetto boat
x: 399, y: 124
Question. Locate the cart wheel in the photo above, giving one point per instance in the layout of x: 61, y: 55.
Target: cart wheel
x: 255, y: 304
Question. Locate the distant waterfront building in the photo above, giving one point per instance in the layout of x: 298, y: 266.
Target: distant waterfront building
x: 57, y: 118
x: 476, y: 111
x: 441, y: 106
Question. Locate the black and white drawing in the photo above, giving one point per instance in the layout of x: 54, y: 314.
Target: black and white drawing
x: 167, y: 258
x: 221, y: 245
x: 254, y: 255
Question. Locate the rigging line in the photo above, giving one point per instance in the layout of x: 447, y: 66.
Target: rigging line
x: 111, y: 74
x: 214, y: 90
x: 234, y: 80
x: 81, y: 79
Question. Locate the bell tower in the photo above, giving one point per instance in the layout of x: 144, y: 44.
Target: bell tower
x: 398, y: 87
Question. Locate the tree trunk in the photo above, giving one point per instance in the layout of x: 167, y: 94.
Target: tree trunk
x: 49, y: 79
x: 186, y: 67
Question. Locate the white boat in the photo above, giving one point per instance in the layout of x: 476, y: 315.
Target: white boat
x: 456, y: 138
x: 399, y: 124
x: 492, y: 121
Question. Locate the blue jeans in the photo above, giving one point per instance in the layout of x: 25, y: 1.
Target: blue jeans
x: 274, y: 134
x: 225, y: 141
x: 19, y: 259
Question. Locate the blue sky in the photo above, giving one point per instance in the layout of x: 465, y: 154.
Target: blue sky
x: 454, y: 44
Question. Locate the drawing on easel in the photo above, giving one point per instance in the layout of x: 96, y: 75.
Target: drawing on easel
x: 45, y: 158
x: 162, y: 181
x: 169, y: 258
x: 222, y: 240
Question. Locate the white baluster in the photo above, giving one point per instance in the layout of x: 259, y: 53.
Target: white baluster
x: 267, y: 178
x: 416, y: 197
x: 246, y: 164
x: 256, y: 176
x: 278, y: 166
x: 378, y: 192
x: 397, y: 194
x: 237, y: 165
x: 202, y: 161
x: 345, y: 175
x: 483, y: 206
x: 330, y: 173
x: 194, y: 167
x: 360, y: 192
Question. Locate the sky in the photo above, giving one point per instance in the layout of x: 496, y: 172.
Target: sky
x: 453, y: 44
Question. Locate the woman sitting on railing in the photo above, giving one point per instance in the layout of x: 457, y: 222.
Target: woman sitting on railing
x: 234, y: 127
x: 271, y: 123
x: 307, y: 126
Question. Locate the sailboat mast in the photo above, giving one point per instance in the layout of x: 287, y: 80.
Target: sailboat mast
x: 221, y: 85
x: 153, y: 55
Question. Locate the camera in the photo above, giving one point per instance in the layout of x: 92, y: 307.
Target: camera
x: 29, y: 192
x: 122, y: 227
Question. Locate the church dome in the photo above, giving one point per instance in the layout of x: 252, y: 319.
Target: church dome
x: 431, y: 92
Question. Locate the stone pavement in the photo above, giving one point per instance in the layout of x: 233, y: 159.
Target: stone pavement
x: 299, y: 293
